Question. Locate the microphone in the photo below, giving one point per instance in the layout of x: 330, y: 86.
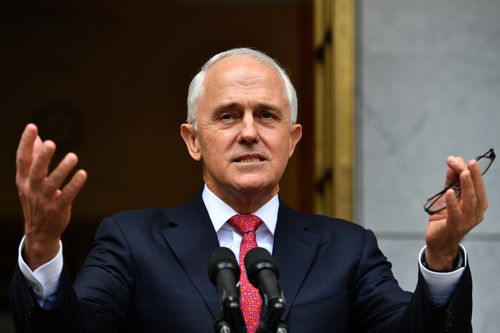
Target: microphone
x: 224, y: 272
x: 263, y: 273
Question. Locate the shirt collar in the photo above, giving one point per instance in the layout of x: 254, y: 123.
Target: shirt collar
x: 220, y: 212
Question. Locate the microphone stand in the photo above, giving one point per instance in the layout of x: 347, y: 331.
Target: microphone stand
x: 282, y: 327
x: 230, y: 319
x: 272, y: 322
x: 222, y: 325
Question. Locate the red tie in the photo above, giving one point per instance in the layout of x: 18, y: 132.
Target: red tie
x: 251, y: 303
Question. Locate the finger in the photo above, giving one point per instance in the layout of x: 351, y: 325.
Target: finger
x: 41, y: 163
x: 73, y: 187
x: 24, y: 154
x: 455, y: 166
x: 453, y: 208
x: 37, y: 147
x: 451, y: 177
x: 469, y: 199
x: 479, y: 188
x: 61, y: 172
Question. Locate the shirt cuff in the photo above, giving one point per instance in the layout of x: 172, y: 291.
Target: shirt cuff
x: 441, y: 285
x: 45, y: 279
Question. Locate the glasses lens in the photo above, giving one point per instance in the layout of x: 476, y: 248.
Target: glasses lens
x: 437, y: 204
x: 483, y: 164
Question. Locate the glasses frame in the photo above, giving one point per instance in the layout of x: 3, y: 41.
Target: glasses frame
x: 490, y: 155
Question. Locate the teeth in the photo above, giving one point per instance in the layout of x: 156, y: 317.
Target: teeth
x: 249, y: 160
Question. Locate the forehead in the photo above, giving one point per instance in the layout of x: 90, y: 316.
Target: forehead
x: 243, y: 75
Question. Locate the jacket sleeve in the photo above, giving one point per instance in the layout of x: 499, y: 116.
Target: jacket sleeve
x: 381, y: 306
x: 29, y: 317
x: 99, y: 300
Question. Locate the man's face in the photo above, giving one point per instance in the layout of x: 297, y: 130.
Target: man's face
x: 243, y: 131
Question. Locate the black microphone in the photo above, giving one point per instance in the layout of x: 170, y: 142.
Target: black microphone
x: 224, y: 272
x: 263, y: 273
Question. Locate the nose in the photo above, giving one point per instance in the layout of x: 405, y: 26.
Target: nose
x: 248, y: 132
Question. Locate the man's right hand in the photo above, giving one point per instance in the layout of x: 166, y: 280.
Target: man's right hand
x: 46, y: 204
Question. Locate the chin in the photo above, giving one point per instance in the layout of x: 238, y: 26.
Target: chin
x: 255, y: 186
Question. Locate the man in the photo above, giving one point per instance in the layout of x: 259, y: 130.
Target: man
x: 147, y: 270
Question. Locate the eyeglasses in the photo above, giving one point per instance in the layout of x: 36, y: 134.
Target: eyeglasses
x: 437, y: 202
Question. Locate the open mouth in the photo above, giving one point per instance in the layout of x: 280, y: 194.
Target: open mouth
x: 253, y: 159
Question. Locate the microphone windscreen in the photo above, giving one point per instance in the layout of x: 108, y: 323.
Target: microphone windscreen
x: 256, y: 259
x: 222, y: 258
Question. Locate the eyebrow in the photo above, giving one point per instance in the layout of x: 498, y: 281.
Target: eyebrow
x: 231, y: 106
x: 227, y: 107
x: 265, y: 106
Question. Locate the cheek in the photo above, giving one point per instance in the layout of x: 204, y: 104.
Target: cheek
x: 208, y: 145
x: 213, y: 152
x: 280, y: 145
x: 217, y: 141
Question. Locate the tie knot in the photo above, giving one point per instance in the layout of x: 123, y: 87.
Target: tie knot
x: 245, y: 223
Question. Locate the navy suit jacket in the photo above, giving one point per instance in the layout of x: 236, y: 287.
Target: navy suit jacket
x: 147, y: 272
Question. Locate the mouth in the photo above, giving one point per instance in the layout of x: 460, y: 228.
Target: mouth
x: 249, y: 159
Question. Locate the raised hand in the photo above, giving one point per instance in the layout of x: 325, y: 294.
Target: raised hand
x: 46, y: 204
x: 447, y: 228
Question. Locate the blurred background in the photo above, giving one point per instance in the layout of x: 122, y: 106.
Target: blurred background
x: 387, y: 90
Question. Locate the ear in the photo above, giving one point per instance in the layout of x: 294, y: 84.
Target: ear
x: 295, y: 135
x: 190, y: 138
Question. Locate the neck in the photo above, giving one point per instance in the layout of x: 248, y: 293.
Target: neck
x: 245, y: 202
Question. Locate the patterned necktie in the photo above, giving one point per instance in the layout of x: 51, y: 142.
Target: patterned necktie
x: 251, y: 302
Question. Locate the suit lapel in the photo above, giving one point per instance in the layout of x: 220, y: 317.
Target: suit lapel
x: 294, y: 250
x: 192, y: 238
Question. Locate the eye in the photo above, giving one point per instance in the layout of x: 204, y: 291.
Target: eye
x: 227, y: 116
x: 266, y: 115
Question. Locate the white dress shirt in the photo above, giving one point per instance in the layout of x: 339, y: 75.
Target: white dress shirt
x: 45, y: 279
x: 220, y: 213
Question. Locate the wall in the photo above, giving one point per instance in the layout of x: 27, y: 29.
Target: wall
x: 124, y: 69
x: 429, y: 86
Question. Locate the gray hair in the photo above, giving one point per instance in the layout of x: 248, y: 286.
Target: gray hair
x: 196, y: 86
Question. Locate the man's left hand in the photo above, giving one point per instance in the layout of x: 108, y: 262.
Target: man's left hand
x: 447, y: 228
